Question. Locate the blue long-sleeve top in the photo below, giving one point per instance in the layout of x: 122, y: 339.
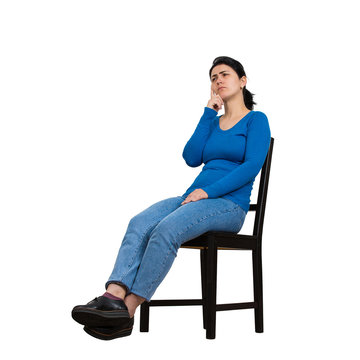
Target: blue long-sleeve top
x: 232, y: 157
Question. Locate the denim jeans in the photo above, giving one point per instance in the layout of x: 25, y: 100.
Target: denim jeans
x: 154, y: 236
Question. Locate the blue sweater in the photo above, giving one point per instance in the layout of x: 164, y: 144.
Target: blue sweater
x: 232, y: 157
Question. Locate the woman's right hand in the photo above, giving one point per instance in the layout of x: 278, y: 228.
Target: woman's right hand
x: 215, y: 102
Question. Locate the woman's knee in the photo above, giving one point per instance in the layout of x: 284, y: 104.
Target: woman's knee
x: 140, y: 220
x: 139, y: 226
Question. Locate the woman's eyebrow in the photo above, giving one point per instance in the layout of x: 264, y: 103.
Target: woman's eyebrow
x: 219, y: 73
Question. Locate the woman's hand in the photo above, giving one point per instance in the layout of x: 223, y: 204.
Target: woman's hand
x: 215, y: 102
x: 196, y: 195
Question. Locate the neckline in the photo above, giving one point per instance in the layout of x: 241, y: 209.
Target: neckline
x: 218, y: 122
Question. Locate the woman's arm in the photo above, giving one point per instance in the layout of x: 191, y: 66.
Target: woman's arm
x: 257, y: 146
x: 193, y: 149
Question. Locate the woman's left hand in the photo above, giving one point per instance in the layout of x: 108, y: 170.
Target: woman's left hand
x: 196, y: 195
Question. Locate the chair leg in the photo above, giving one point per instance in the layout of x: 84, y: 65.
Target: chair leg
x: 203, y: 283
x: 258, y: 291
x: 211, y: 273
x: 144, y: 317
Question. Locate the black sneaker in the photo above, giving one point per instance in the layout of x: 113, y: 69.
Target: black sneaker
x: 102, y: 312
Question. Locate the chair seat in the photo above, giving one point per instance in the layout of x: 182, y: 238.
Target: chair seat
x: 224, y: 240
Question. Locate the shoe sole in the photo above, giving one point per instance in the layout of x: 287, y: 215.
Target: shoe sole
x: 111, y: 336
x: 98, y: 318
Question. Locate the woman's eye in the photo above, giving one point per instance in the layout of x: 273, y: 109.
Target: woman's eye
x: 215, y: 78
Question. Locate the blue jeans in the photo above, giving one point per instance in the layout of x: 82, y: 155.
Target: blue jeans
x: 154, y: 236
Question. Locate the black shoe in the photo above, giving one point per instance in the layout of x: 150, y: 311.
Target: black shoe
x: 102, y: 312
x: 110, y: 333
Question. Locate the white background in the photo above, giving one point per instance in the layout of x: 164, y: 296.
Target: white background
x: 98, y: 99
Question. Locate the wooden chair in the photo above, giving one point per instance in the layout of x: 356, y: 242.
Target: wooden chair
x: 208, y: 244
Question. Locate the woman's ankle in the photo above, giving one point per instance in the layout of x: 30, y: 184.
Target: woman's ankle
x: 132, y: 302
x: 117, y: 290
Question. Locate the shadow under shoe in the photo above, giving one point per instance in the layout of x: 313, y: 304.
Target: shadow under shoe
x: 110, y: 333
x: 102, y: 312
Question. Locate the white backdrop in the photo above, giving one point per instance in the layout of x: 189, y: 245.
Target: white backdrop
x: 98, y: 99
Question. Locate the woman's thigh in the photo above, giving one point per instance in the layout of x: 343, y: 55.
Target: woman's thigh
x: 197, y: 217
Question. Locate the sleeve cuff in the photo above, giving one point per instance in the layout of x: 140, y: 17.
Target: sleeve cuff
x: 211, y: 194
x: 208, y: 116
x: 210, y: 111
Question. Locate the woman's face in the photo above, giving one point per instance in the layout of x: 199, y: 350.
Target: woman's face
x: 225, y: 81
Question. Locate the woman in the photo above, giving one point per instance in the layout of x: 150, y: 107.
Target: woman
x: 233, y: 148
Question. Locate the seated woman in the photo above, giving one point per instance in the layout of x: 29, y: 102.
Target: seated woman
x: 233, y: 148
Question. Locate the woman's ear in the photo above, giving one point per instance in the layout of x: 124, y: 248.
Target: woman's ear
x: 243, y: 81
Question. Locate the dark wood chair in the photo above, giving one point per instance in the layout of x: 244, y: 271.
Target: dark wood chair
x: 208, y: 244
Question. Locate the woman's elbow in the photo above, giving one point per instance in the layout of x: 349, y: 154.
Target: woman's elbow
x: 192, y: 162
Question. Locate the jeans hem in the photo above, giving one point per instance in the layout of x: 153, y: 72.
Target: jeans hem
x: 117, y: 283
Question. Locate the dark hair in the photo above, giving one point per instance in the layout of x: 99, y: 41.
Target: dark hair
x: 239, y: 69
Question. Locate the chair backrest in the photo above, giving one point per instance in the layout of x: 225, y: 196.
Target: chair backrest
x: 259, y: 207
